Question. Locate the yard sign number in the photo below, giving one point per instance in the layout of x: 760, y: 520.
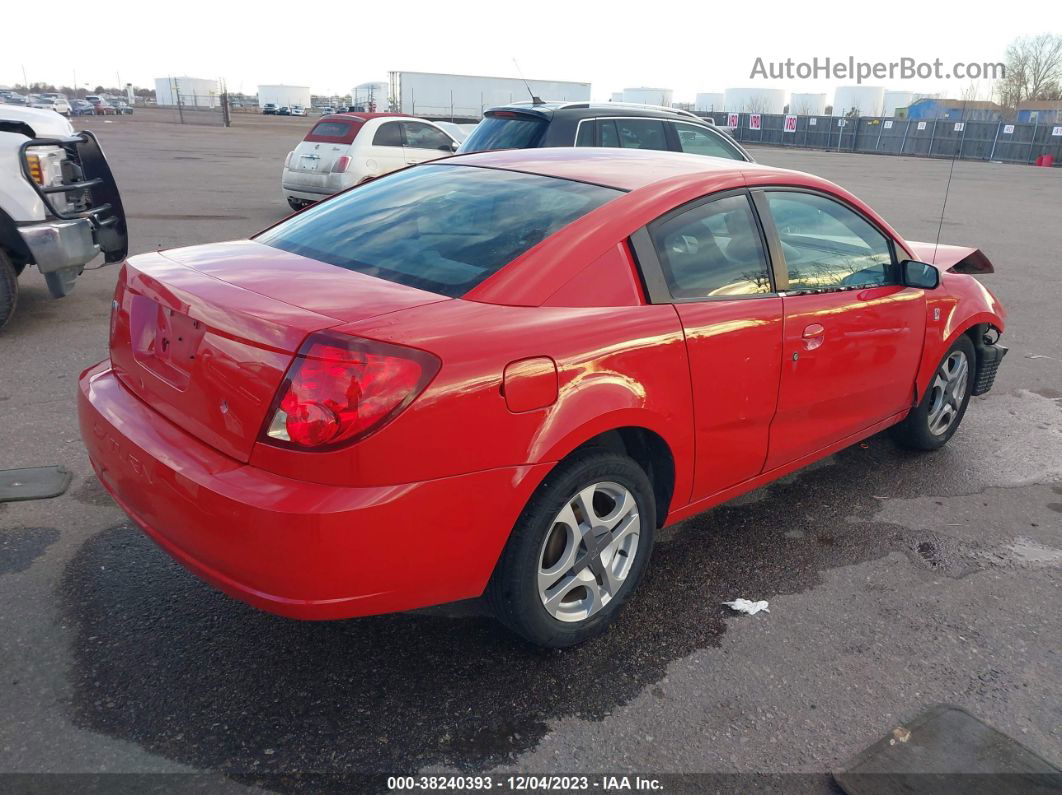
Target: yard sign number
x: 921, y: 125
x: 790, y: 124
x: 754, y: 121
x: 888, y: 124
x: 1056, y: 131
x: 732, y: 120
x: 1008, y: 129
x: 959, y: 126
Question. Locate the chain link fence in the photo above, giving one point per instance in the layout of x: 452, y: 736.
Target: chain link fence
x: 206, y: 109
x: 1001, y: 141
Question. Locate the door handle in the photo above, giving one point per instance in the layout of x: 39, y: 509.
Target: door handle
x: 814, y: 335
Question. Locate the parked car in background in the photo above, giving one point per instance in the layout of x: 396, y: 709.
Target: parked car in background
x: 614, y: 124
x: 348, y: 148
x: 327, y: 110
x: 298, y: 110
x: 62, y: 103
x: 101, y: 106
x: 59, y: 104
x: 269, y: 109
x: 81, y: 107
x: 14, y: 98
x: 283, y: 110
x: 501, y: 373
x: 59, y: 205
x: 122, y: 107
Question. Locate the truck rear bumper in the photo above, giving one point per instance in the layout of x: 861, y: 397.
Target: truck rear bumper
x: 55, y: 245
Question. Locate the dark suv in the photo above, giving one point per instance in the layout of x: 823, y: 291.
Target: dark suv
x: 529, y: 125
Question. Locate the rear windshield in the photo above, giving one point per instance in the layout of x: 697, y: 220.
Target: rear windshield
x: 335, y: 132
x: 438, y: 228
x: 505, y: 132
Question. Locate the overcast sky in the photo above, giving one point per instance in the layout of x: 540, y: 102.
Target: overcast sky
x: 332, y: 46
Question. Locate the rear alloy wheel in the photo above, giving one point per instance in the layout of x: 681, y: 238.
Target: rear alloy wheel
x: 936, y: 418
x: 8, y: 289
x: 577, y: 552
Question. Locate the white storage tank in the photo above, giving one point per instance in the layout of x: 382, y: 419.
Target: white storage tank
x: 366, y: 95
x: 863, y: 100
x: 616, y: 96
x: 807, y: 104
x: 281, y: 95
x: 754, y: 100
x: 710, y: 102
x: 896, y: 99
x: 193, y: 92
x: 648, y: 96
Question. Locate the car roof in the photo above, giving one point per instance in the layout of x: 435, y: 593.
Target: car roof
x: 368, y: 116
x: 590, y: 110
x: 626, y: 169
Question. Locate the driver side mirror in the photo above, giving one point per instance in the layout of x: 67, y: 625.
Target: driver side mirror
x: 919, y: 274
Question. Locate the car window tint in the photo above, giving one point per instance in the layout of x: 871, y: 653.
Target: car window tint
x: 423, y: 136
x: 585, y: 136
x: 827, y: 245
x: 699, y: 141
x: 712, y: 250
x: 641, y: 134
x: 438, y: 228
x: 609, y: 136
x: 389, y: 134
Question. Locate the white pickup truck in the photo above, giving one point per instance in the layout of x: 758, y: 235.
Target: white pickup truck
x: 59, y: 205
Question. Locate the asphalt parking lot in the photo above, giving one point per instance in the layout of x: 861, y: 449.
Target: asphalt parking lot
x: 895, y: 580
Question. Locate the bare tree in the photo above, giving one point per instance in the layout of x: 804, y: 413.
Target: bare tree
x: 1034, y: 70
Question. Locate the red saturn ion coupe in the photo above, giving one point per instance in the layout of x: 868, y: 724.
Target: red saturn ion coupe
x: 500, y: 373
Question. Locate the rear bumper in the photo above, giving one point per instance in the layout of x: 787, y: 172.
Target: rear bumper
x: 298, y: 549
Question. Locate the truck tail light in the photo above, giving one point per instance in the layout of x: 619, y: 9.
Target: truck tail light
x: 287, y: 160
x: 340, y: 166
x: 339, y: 389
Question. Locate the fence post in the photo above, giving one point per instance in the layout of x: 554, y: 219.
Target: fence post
x: 962, y: 139
x: 932, y: 137
x: 992, y: 154
x: 903, y: 143
x: 1032, y: 143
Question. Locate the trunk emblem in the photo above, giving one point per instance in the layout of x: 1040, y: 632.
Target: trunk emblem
x: 224, y: 406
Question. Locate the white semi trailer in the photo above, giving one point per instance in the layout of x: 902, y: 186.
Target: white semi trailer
x: 442, y: 96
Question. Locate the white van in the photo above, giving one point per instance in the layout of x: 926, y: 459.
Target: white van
x: 345, y: 149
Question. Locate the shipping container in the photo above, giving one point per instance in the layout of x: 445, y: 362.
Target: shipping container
x: 465, y: 97
x: 193, y: 92
x: 282, y: 95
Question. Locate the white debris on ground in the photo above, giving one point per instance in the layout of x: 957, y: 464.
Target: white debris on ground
x: 748, y: 606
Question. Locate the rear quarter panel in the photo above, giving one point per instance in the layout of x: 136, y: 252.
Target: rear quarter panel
x: 617, y: 367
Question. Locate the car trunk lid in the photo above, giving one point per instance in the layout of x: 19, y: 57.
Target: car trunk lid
x: 205, y: 335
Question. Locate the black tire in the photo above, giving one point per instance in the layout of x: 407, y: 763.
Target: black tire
x: 915, y: 432
x: 295, y: 204
x: 8, y: 289
x: 513, y: 592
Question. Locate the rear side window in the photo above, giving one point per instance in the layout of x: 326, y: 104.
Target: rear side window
x: 505, y: 132
x: 713, y: 250
x: 699, y: 141
x: 389, y: 134
x: 438, y: 228
x: 333, y: 132
x: 641, y: 134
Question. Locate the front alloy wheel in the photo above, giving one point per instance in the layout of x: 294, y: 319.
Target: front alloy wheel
x: 937, y: 416
x: 577, y: 551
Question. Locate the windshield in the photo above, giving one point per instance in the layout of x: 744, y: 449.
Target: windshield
x: 505, y: 132
x: 440, y: 228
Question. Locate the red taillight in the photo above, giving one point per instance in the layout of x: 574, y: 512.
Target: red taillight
x: 340, y: 389
x: 341, y: 164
